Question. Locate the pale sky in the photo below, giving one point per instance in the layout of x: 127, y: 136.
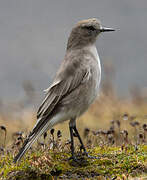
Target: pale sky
x: 33, y: 37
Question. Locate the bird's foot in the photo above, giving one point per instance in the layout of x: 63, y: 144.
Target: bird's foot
x: 85, y: 153
x: 78, y: 161
x: 89, y: 156
x: 73, y: 158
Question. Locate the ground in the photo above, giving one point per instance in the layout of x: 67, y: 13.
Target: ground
x: 108, y: 162
x: 114, y: 131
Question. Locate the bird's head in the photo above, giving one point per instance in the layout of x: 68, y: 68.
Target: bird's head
x: 85, y: 32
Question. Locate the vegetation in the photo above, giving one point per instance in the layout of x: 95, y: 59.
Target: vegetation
x: 117, y: 154
x: 113, y: 162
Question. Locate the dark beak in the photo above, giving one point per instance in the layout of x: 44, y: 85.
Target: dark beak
x: 104, y: 29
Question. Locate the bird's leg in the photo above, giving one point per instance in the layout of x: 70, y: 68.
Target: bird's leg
x: 82, y: 145
x: 72, y: 140
x: 80, y: 140
x: 72, y: 126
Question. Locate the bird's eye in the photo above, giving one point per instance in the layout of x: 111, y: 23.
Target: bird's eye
x: 90, y: 28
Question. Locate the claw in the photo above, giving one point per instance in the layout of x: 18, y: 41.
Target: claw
x: 89, y: 156
x: 74, y: 158
x: 92, y: 157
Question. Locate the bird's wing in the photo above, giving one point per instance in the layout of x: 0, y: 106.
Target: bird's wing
x: 65, y: 82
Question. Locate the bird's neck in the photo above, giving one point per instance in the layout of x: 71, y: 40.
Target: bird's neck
x: 93, y: 50
x: 75, y: 41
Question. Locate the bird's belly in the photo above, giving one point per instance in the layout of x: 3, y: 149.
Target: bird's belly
x: 93, y: 89
x: 90, y: 91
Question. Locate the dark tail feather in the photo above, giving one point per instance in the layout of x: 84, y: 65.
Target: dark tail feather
x: 34, y: 135
x: 21, y: 151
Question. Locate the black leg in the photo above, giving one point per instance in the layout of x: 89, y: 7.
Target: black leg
x: 72, y: 141
x: 72, y: 126
x: 82, y: 145
x: 80, y: 140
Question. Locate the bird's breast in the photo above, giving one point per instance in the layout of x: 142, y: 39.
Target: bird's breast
x: 95, y: 71
x: 95, y: 68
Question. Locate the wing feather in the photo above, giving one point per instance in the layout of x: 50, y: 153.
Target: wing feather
x: 65, y: 82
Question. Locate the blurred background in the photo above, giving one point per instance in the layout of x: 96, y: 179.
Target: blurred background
x: 33, y: 37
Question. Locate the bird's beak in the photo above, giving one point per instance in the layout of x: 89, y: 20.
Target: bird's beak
x: 104, y: 29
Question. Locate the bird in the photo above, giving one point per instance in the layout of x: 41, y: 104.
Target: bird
x: 75, y: 86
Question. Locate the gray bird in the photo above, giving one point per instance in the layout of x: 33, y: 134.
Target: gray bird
x: 75, y: 86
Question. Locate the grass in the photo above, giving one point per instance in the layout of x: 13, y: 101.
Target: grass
x: 113, y: 130
x: 113, y: 162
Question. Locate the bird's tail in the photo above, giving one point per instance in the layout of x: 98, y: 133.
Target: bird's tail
x: 40, y: 128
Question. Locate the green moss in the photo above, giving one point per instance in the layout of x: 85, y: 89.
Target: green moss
x: 44, y: 164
